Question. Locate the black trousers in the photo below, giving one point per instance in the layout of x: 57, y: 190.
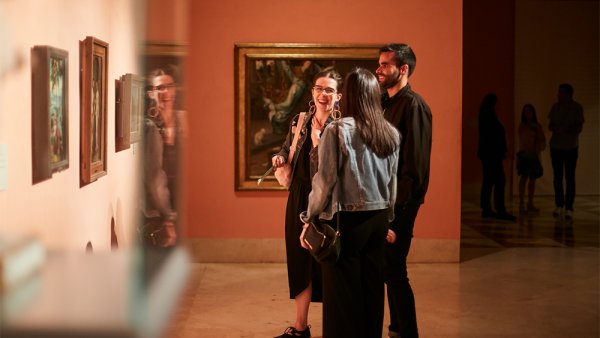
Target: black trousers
x: 563, y: 166
x: 401, y: 300
x: 353, y: 287
x: 493, y: 179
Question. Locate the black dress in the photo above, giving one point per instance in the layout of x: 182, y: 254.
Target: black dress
x: 302, y: 268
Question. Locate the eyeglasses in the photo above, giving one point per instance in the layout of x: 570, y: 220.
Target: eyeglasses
x: 164, y: 87
x: 325, y: 90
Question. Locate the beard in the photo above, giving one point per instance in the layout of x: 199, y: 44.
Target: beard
x: 390, y: 80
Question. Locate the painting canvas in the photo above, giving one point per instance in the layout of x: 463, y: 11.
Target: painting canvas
x: 50, y: 132
x: 97, y: 108
x: 135, y: 96
x: 273, y: 84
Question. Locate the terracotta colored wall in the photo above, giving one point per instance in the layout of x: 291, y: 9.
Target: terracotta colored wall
x: 488, y: 66
x: 167, y: 20
x: 434, y: 29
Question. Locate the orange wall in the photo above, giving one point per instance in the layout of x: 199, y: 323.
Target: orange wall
x: 167, y: 20
x: 433, y: 28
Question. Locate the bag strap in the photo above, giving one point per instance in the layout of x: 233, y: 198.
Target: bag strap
x: 296, y: 137
x: 340, y: 177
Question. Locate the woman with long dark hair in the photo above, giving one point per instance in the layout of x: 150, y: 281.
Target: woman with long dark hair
x: 356, y: 177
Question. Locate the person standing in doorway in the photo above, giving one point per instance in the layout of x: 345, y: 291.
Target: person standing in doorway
x: 410, y: 114
x: 532, y: 141
x: 492, y: 151
x: 566, y: 123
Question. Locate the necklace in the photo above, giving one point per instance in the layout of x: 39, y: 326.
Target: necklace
x: 319, y: 123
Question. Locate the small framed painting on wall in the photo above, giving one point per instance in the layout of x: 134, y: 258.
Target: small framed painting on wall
x: 50, y: 111
x: 130, y: 98
x: 93, y: 59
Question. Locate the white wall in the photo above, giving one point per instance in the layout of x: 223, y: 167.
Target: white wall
x: 61, y: 213
x: 557, y: 42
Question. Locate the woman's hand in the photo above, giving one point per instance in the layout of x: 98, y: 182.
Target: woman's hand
x: 170, y: 238
x: 391, y: 236
x: 302, y: 242
x: 277, y: 161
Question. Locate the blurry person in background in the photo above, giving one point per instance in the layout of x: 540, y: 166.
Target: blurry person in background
x: 165, y: 129
x: 566, y: 123
x: 531, y: 143
x: 492, y: 151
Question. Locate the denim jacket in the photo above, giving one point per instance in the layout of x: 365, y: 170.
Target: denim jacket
x: 368, y: 181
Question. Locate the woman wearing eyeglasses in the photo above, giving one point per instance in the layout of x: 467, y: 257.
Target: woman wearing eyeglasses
x: 164, y: 131
x: 304, y: 273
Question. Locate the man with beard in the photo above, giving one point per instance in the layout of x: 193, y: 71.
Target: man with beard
x: 409, y: 113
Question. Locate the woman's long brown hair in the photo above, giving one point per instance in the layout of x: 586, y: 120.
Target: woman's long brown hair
x: 362, y: 97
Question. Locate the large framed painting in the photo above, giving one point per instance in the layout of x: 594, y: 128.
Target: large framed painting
x: 272, y: 84
x: 93, y: 59
x: 50, y: 111
x: 129, y: 106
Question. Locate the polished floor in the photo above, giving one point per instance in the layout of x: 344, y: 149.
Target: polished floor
x: 538, y: 277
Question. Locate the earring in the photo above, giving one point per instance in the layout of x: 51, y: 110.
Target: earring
x: 312, y: 108
x: 153, y: 112
x: 336, y: 113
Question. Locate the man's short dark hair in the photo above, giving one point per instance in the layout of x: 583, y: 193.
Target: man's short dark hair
x: 566, y: 88
x: 403, y: 55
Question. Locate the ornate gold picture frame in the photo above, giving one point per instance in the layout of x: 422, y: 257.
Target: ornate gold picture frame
x: 272, y: 85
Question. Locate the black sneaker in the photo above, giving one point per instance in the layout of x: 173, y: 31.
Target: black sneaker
x: 291, y: 332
